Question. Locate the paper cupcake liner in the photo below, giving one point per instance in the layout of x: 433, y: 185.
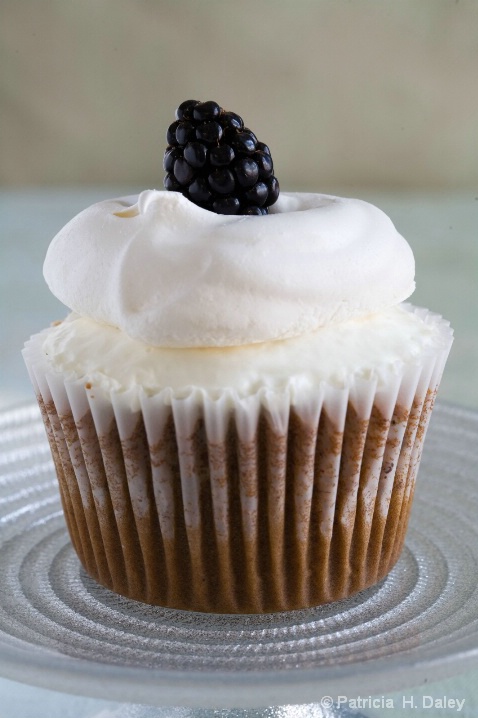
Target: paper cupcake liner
x: 239, y: 505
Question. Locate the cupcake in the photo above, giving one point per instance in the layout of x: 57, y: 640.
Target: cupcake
x: 236, y: 405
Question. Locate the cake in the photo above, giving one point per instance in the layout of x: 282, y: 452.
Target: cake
x: 237, y: 401
x: 236, y: 405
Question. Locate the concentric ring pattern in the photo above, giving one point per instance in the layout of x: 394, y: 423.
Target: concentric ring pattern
x: 425, y: 610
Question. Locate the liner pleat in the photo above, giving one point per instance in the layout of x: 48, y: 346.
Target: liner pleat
x: 239, y: 505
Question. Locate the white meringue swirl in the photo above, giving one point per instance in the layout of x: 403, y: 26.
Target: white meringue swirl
x: 171, y: 274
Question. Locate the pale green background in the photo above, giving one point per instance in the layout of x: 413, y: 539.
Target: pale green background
x: 371, y: 98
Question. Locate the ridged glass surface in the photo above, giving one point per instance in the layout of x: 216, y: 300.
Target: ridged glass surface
x: 59, y: 629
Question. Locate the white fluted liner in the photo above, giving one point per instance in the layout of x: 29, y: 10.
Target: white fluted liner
x: 230, y: 504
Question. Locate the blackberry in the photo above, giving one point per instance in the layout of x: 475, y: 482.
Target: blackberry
x: 217, y: 162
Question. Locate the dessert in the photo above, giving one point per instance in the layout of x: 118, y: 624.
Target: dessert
x: 236, y: 405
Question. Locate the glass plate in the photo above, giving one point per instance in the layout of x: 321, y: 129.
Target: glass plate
x: 60, y: 630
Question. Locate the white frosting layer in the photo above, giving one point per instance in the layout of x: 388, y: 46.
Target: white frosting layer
x: 80, y: 348
x: 171, y: 274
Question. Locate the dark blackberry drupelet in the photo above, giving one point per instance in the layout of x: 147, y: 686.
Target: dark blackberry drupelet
x: 217, y: 163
